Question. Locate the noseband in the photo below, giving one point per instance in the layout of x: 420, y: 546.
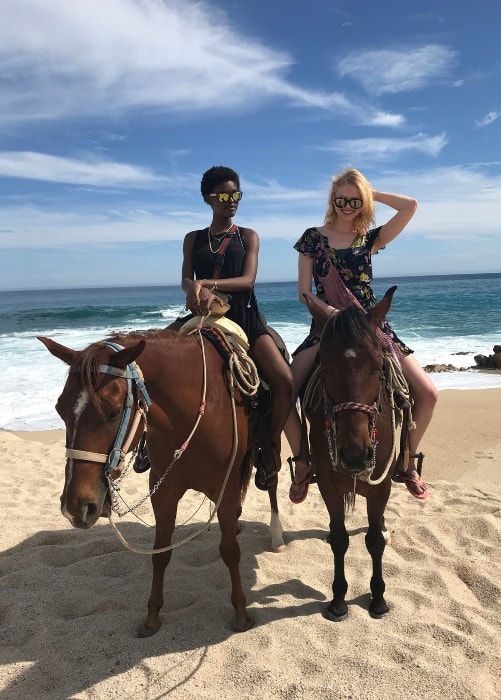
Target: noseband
x: 330, y: 411
x: 132, y: 373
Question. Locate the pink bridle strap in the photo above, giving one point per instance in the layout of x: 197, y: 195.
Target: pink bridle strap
x: 354, y: 406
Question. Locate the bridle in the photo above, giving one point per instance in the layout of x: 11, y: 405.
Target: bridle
x: 331, y: 410
x: 125, y: 435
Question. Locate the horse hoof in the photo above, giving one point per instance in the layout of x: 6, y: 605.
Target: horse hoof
x: 378, y: 611
x: 247, y: 624
x: 331, y: 614
x: 144, y: 631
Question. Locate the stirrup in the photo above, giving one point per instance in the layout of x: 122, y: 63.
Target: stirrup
x: 263, y: 478
x: 298, y: 458
x: 142, y: 461
x: 400, y: 463
x: 419, y: 456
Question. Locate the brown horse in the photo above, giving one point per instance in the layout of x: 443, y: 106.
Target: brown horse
x: 195, y: 440
x: 354, y: 413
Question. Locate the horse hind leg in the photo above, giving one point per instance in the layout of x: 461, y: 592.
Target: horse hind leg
x: 386, y: 533
x: 230, y: 554
x: 277, y: 540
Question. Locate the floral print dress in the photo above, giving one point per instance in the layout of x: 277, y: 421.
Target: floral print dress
x: 354, y: 266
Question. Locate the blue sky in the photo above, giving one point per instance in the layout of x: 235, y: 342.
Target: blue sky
x: 111, y: 110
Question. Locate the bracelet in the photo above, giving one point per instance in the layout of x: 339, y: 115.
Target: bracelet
x: 214, y: 286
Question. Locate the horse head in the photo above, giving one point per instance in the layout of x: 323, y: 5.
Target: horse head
x: 93, y: 404
x: 351, y: 362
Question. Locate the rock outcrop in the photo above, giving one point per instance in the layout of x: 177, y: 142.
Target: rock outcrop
x: 490, y: 361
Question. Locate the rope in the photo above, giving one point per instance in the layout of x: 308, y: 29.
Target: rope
x: 244, y: 372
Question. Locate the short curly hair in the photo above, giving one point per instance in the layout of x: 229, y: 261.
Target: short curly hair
x: 367, y: 214
x: 215, y: 175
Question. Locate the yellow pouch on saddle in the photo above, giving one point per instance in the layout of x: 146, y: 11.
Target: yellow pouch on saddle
x: 223, y: 324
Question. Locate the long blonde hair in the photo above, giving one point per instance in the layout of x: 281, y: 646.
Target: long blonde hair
x: 366, y: 216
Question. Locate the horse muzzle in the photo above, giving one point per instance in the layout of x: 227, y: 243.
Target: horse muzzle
x: 354, y: 462
x: 83, y: 514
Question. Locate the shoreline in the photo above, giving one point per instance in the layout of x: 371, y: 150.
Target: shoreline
x: 460, y: 414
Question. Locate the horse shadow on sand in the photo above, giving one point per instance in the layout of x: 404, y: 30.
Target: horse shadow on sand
x: 71, y: 602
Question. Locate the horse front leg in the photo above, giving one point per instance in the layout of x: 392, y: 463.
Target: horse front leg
x: 337, y: 609
x: 277, y: 540
x: 230, y: 554
x: 375, y: 542
x: 165, y: 517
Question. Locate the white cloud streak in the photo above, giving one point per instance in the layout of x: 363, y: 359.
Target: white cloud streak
x: 381, y: 149
x: 489, y: 118
x: 397, y: 70
x: 92, y: 172
x: 88, y: 57
x: 455, y: 204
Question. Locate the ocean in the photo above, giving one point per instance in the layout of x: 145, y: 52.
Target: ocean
x: 446, y: 319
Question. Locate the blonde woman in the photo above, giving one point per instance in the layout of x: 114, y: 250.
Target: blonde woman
x: 343, y: 247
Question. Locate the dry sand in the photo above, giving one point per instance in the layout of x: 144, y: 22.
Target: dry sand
x: 71, y: 601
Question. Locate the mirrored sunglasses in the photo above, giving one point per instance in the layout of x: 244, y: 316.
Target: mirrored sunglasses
x: 225, y: 196
x: 342, y: 202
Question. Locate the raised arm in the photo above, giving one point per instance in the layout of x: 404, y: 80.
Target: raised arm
x: 405, y: 207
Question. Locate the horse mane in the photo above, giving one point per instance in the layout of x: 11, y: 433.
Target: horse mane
x: 354, y: 325
x: 90, y: 359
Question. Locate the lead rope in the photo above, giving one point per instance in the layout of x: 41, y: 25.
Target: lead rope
x: 177, y: 455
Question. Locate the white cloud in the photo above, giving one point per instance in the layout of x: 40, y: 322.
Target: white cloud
x: 397, y: 70
x: 372, y: 149
x: 92, y: 172
x: 455, y: 202
x: 386, y: 119
x: 489, y: 118
x: 88, y: 57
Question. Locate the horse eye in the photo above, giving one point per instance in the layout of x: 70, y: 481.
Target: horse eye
x: 114, y: 414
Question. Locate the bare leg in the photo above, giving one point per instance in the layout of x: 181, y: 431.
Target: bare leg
x: 301, y: 367
x: 425, y: 397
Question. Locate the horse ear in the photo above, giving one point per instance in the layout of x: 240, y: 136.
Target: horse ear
x: 124, y: 357
x: 60, y: 351
x: 377, y: 314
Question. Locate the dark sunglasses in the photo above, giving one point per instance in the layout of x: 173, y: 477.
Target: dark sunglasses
x: 225, y: 196
x: 342, y: 202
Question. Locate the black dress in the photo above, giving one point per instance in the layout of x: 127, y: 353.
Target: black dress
x: 244, y: 309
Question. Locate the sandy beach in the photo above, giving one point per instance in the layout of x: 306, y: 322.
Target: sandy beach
x: 71, y: 601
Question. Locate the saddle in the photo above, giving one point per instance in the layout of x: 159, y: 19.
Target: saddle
x: 226, y: 326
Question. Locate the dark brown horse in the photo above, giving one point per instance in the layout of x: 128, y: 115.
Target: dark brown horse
x: 352, y: 436
x: 195, y: 440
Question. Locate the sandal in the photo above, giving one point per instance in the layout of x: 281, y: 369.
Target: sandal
x: 413, y: 485
x: 305, y: 483
x: 413, y: 481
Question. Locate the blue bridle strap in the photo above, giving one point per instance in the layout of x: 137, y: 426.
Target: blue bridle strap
x: 132, y: 375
